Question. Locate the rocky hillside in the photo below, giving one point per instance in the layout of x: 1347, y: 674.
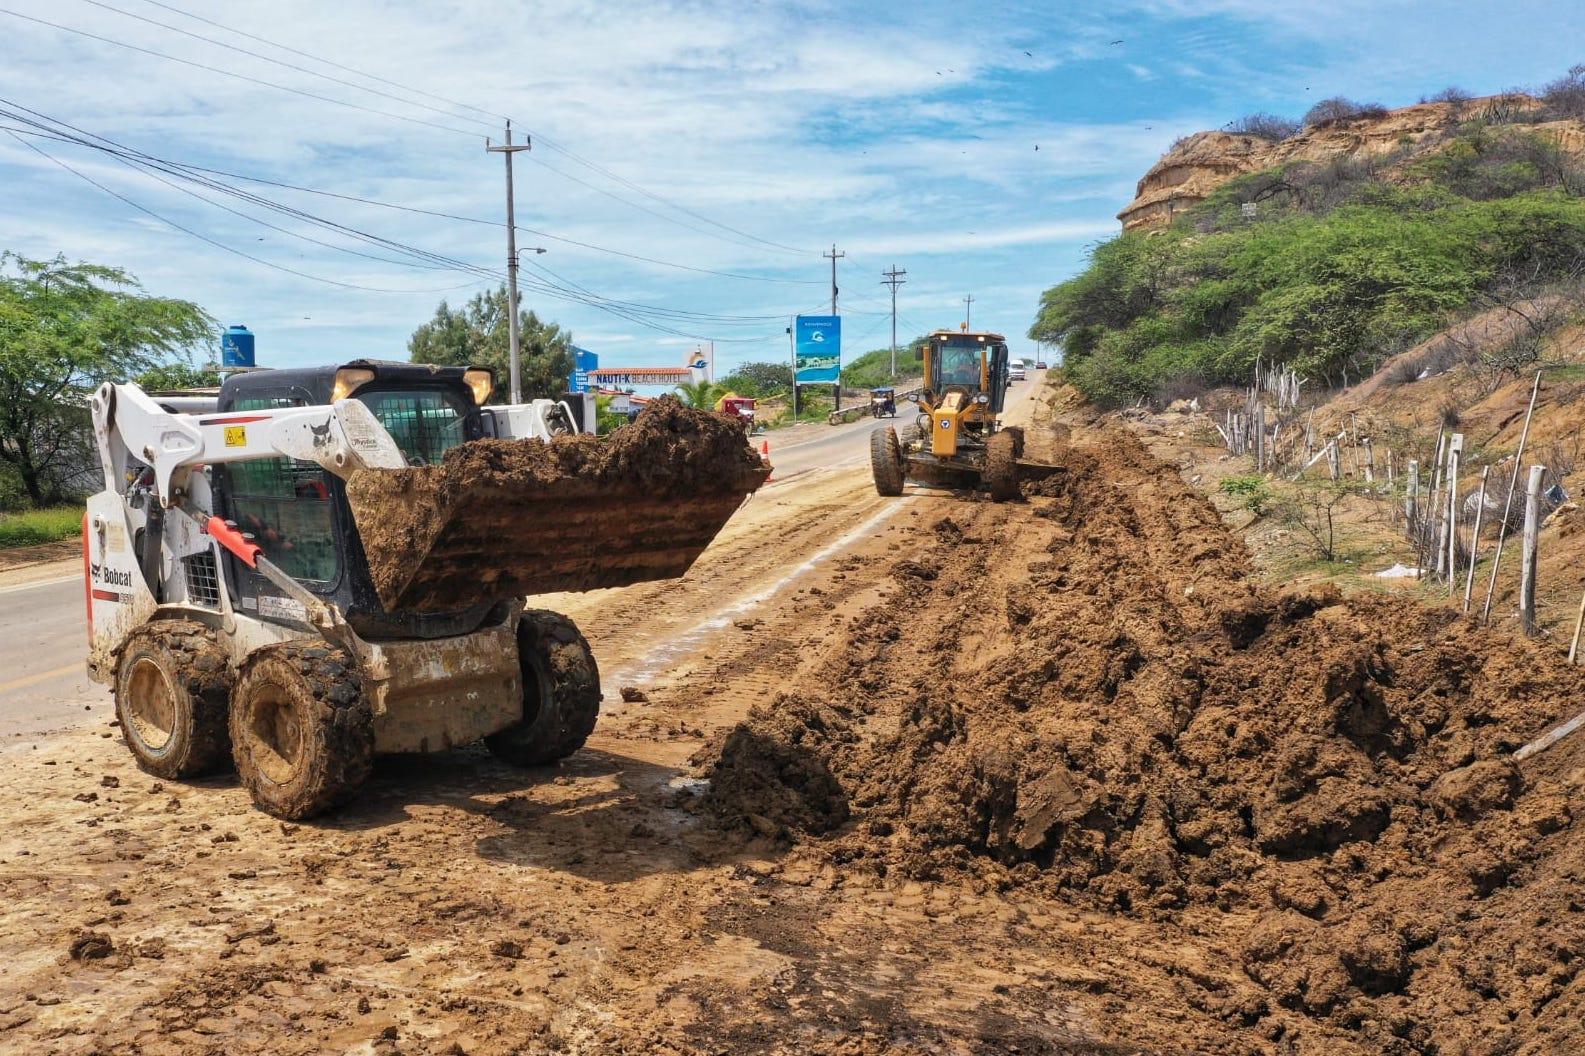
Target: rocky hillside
x: 1197, y: 165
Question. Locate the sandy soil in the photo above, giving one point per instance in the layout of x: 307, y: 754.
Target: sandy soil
x: 922, y: 775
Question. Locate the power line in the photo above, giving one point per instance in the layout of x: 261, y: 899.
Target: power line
x: 550, y: 144
x: 233, y: 74
x: 334, y: 65
x: 277, y: 62
x: 204, y: 238
x: 187, y: 167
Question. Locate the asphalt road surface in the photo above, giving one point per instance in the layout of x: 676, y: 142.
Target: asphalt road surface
x: 44, y: 683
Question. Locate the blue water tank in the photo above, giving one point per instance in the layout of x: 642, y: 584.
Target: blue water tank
x: 236, y: 347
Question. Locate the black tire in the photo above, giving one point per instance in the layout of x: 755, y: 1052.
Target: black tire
x: 1001, y: 466
x: 561, y: 692
x: 886, y: 461
x: 172, y: 688
x: 301, y: 732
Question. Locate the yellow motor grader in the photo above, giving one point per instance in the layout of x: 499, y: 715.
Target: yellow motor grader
x: 957, y: 439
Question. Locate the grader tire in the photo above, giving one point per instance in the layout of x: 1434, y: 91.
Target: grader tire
x: 301, y: 732
x: 561, y: 692
x: 886, y: 461
x: 1001, y: 467
x: 172, y: 688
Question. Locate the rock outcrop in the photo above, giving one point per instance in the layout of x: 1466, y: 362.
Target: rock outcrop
x: 1197, y: 165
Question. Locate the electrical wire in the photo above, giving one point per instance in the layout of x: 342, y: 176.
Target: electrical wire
x: 290, y: 66
x: 551, y: 144
x: 235, y: 75
x: 204, y: 238
x: 327, y: 62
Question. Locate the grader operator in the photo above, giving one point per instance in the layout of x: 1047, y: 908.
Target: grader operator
x: 322, y: 564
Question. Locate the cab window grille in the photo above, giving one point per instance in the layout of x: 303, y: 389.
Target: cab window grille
x: 284, y: 503
x: 424, y: 423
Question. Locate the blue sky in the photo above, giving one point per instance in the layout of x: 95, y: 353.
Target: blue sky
x: 691, y: 162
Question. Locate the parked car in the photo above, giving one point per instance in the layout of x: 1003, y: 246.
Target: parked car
x: 1015, y: 370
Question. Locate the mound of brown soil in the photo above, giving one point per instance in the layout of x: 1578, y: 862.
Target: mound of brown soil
x: 507, y: 518
x: 1326, y: 778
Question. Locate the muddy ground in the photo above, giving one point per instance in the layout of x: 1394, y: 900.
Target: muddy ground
x: 922, y: 775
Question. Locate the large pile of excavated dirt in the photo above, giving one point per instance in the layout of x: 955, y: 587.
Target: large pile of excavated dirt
x: 1322, y: 783
x: 505, y: 518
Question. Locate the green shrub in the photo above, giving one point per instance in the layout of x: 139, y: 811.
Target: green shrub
x: 40, y: 526
x: 1253, y: 493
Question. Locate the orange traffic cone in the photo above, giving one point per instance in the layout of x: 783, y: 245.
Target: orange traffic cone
x: 764, y: 456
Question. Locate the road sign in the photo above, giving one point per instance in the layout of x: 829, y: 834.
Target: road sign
x: 817, y: 348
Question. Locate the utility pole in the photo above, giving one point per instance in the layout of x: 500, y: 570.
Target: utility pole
x: 833, y: 256
x: 892, y: 279
x: 968, y: 305
x: 836, y: 386
x: 511, y: 262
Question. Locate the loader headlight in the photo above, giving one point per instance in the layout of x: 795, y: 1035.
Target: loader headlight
x: 982, y: 398
x: 348, y: 381
x: 481, y: 382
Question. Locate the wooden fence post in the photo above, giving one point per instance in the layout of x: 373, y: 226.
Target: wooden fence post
x: 1455, y: 452
x: 1532, y: 529
x: 1474, y: 543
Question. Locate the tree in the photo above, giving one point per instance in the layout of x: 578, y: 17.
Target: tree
x: 182, y: 374
x: 760, y: 379
x: 1266, y: 126
x: 64, y: 330
x: 478, y: 335
x: 700, y: 394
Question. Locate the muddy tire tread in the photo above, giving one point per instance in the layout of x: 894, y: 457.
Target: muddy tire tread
x: 1001, y: 466
x: 569, y: 681
x: 201, y: 676
x: 339, y: 731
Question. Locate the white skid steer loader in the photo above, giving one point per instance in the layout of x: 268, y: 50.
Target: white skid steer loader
x: 319, y: 565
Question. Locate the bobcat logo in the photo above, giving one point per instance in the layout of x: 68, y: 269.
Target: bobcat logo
x: 111, y: 576
x: 320, y: 433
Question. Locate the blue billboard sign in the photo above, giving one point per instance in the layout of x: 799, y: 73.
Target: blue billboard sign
x: 583, y: 361
x: 817, y: 348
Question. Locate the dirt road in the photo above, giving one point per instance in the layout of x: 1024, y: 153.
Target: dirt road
x: 929, y: 775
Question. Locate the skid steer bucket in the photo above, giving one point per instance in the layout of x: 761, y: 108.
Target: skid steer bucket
x: 508, y: 518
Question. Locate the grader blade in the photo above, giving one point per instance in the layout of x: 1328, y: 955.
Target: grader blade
x: 508, y: 518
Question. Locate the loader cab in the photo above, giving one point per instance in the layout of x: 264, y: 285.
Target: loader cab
x: 298, y: 512
x: 968, y: 362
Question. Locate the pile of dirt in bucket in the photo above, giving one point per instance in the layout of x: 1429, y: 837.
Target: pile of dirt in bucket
x: 507, y: 518
x: 1129, y: 725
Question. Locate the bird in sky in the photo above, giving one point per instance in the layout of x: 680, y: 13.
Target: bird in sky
x: 1114, y: 42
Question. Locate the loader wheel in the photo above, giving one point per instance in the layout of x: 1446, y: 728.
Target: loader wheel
x: 886, y: 461
x: 172, y: 687
x: 561, y: 692
x: 301, y: 732
x: 1001, y: 466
